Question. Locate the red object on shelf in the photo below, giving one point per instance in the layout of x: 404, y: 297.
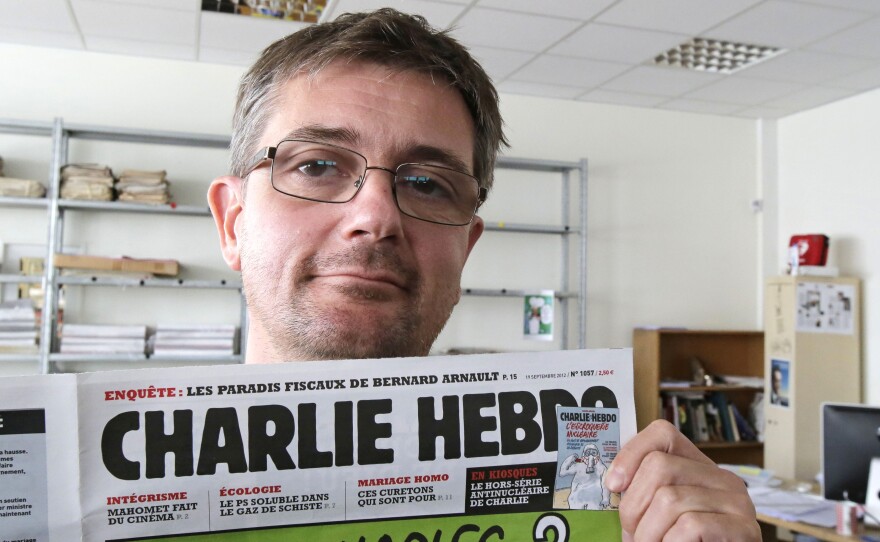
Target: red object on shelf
x: 812, y: 248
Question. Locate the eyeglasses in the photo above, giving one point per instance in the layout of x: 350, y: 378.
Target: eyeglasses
x: 326, y: 173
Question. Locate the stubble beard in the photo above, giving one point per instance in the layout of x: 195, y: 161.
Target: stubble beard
x: 302, y: 326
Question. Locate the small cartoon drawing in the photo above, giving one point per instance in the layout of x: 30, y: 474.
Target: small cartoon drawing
x: 588, y: 492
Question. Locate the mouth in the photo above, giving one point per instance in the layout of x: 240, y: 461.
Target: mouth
x: 366, y: 278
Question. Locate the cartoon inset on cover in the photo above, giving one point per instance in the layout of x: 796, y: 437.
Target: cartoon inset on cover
x: 589, y: 439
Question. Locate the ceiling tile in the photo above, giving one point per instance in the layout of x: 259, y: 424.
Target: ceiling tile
x: 570, y: 9
x: 248, y: 34
x: 508, y: 30
x: 860, y: 40
x: 785, y: 24
x: 226, y: 56
x: 745, y: 91
x: 439, y: 14
x: 540, y: 89
x: 763, y: 112
x: 616, y: 43
x: 51, y: 16
x: 659, y: 81
x: 129, y: 22
x: 622, y: 98
x: 684, y: 16
x: 499, y: 63
x: 575, y: 72
x: 858, y: 5
x: 809, y: 98
x: 140, y: 48
x: 864, y: 80
x: 806, y: 67
x: 183, y: 5
x: 40, y: 38
x: 698, y: 106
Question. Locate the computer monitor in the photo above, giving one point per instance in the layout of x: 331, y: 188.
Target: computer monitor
x: 850, y: 439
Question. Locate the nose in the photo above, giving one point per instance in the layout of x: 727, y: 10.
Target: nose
x: 373, y: 212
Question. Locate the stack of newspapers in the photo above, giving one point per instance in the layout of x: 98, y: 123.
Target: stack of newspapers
x: 141, y: 186
x: 20, y: 188
x: 87, y: 182
x: 18, y: 327
x: 103, y: 339
x: 206, y: 340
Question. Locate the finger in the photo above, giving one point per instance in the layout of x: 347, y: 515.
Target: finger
x: 692, y: 506
x: 660, y: 436
x: 699, y: 526
x: 660, y: 470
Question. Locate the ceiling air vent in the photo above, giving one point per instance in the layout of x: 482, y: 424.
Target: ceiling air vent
x: 715, y: 56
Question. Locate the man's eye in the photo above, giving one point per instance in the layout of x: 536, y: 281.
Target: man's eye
x: 426, y: 186
x: 319, y: 168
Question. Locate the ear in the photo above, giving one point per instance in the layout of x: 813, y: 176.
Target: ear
x: 475, y: 230
x: 225, y: 201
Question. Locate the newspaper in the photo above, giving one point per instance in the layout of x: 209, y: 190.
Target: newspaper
x: 440, y: 449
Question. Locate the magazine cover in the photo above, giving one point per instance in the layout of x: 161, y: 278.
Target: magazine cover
x: 440, y: 448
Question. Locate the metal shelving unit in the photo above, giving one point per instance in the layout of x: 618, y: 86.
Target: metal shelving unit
x: 61, y: 135
x: 569, y: 291
x: 27, y: 128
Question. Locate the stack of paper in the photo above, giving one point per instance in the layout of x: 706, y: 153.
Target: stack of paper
x: 194, y: 340
x: 19, y: 330
x: 103, y: 339
x: 87, y: 181
x: 143, y: 186
x: 793, y: 506
x: 21, y: 188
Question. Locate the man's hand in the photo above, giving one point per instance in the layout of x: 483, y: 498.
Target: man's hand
x: 675, y: 493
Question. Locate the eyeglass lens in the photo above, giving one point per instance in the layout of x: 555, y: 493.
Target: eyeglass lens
x: 321, y: 172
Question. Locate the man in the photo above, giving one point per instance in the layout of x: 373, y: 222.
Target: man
x: 361, y: 151
x: 776, y: 395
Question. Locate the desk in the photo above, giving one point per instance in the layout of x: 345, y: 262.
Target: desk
x: 769, y: 525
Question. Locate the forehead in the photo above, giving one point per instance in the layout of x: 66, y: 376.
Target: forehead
x: 383, y: 111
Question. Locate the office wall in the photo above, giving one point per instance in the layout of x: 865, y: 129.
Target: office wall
x: 672, y: 238
x: 829, y: 168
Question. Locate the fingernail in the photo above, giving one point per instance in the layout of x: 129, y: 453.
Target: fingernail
x: 626, y: 537
x: 614, y: 479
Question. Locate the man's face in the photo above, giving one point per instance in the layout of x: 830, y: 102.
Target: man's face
x: 358, y: 279
x: 777, y: 381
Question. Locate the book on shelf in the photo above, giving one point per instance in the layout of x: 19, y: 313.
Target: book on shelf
x: 19, y: 334
x: 122, y: 342
x: 745, y: 429
x: 103, y: 330
x: 101, y: 348
x: 158, y: 267
x: 184, y: 342
x: 19, y: 310
x: 706, y: 417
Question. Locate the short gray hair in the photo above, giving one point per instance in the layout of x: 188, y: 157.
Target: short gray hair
x: 387, y: 37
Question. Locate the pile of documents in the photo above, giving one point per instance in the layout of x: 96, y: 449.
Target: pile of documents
x: 143, y: 186
x: 87, y: 182
x: 20, y: 188
x: 103, y: 339
x: 194, y: 340
x: 19, y: 330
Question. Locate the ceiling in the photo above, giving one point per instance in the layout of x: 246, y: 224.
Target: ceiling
x: 587, y: 50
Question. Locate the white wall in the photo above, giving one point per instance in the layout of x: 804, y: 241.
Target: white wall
x: 672, y: 238
x: 829, y: 182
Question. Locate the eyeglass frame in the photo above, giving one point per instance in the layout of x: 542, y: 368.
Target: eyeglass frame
x: 268, y: 153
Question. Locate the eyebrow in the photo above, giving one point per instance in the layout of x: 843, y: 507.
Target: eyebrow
x: 350, y: 138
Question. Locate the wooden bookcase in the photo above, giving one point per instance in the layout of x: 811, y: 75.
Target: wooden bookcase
x: 665, y: 354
